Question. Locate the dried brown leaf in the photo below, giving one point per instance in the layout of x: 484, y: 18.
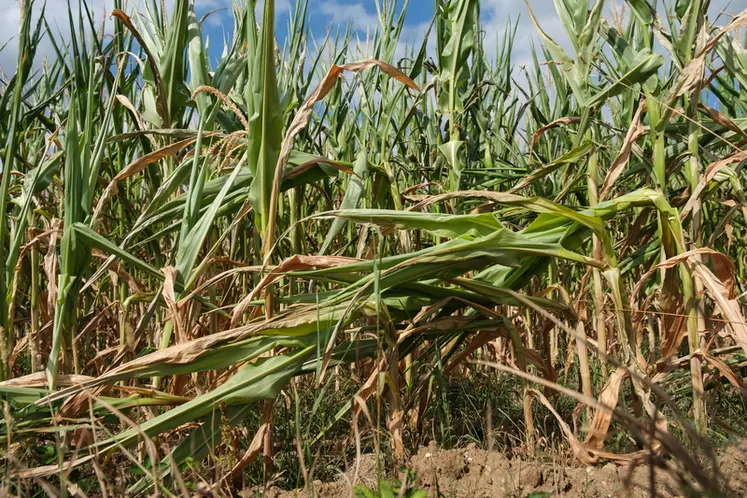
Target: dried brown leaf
x: 635, y: 131
x: 538, y: 134
x: 709, y: 175
x: 160, y: 94
x: 609, y: 397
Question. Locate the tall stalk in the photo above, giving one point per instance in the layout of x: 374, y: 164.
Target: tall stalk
x: 11, y: 147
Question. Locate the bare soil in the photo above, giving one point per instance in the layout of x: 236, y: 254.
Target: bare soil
x: 476, y: 473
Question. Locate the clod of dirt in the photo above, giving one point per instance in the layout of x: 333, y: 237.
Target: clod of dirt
x: 733, y: 468
x: 475, y: 473
x: 432, y: 465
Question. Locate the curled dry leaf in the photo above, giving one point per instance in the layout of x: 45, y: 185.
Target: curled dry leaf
x: 169, y: 295
x: 709, y: 175
x: 725, y: 269
x: 39, y: 380
x: 48, y: 470
x: 691, y: 79
x: 738, y: 21
x: 635, y: 132
x: 161, y: 106
x: 120, y: 272
x: 127, y: 103
x: 583, y: 455
x: 720, y: 287
x: 538, y: 134
x: 730, y: 307
x: 302, y: 168
x: 609, y: 397
x: 137, y: 166
x: 726, y: 372
x: 719, y: 117
x: 250, y: 455
x: 50, y: 265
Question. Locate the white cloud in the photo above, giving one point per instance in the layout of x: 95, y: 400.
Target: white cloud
x: 494, y: 17
x: 496, y: 13
x: 356, y: 13
x: 56, y: 14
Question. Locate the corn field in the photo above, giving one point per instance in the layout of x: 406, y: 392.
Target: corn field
x: 188, y: 242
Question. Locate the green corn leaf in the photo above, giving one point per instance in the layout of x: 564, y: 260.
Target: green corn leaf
x: 191, y: 244
x: 265, y: 113
x: 253, y: 382
x: 26, y: 50
x: 639, y: 73
x: 352, y: 198
x: 441, y: 225
x: 172, y: 67
x: 589, y: 31
x: 198, y: 65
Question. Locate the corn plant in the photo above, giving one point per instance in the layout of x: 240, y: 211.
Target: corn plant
x: 183, y: 238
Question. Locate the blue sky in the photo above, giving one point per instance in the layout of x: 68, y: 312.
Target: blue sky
x: 325, y: 14
x: 362, y: 15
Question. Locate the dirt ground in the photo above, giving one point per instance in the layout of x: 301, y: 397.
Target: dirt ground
x: 476, y: 473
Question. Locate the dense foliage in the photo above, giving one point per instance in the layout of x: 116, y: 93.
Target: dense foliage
x: 182, y: 237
